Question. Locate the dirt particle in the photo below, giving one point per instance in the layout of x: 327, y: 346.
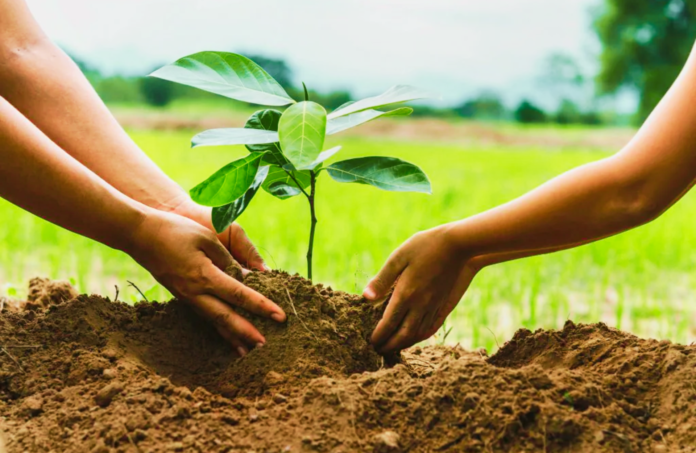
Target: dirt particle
x: 385, y: 442
x: 109, y: 373
x: 175, y: 446
x: 273, y: 378
x: 107, y: 393
x: 279, y: 398
x: 32, y: 405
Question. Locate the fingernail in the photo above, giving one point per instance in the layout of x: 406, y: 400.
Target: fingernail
x: 369, y: 293
x: 265, y: 267
x: 259, y: 345
x: 242, y: 351
x: 277, y: 317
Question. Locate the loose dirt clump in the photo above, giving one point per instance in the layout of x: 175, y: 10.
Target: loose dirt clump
x: 88, y: 374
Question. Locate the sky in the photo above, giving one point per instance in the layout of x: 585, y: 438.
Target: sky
x: 454, y: 47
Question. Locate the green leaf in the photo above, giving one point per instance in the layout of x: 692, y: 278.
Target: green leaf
x: 302, y: 131
x: 386, y: 173
x: 324, y: 155
x: 267, y: 120
x: 226, y: 74
x: 228, y: 183
x: 342, y: 123
x: 281, y: 190
x: 394, y: 95
x: 224, y: 216
x: 234, y: 136
x: 278, y: 175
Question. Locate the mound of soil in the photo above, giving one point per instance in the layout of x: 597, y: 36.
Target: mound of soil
x: 90, y: 375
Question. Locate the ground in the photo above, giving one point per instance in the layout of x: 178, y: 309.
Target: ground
x: 88, y: 374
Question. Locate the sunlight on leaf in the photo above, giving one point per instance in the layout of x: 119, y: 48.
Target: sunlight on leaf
x: 234, y: 136
x: 228, y: 183
x: 302, y: 131
x: 395, y: 95
x: 226, y: 74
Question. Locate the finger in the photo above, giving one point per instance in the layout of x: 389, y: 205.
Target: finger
x: 235, y: 293
x: 406, y: 335
x: 217, y: 253
x: 233, y: 328
x: 244, y: 250
x: 380, y: 285
x: 392, y: 318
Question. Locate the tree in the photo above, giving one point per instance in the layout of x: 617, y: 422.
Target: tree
x: 486, y: 106
x: 568, y: 113
x: 528, y: 113
x: 644, y: 46
x: 156, y: 92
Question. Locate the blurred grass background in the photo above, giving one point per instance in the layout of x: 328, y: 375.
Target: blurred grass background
x: 642, y: 281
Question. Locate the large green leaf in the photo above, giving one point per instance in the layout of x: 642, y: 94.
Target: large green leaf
x: 277, y: 176
x: 226, y: 74
x: 228, y: 183
x: 234, y: 136
x: 342, y: 123
x: 224, y: 216
x: 324, y: 155
x: 386, y: 173
x: 302, y: 131
x: 394, y: 95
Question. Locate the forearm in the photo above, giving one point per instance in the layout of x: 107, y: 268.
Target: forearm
x: 48, y: 88
x: 38, y: 176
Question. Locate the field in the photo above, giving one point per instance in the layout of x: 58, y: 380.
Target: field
x: 642, y: 282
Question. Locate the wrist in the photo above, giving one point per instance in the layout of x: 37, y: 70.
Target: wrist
x: 139, y: 231
x: 456, y: 239
x: 183, y: 205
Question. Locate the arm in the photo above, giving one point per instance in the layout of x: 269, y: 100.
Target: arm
x: 586, y: 204
x: 37, y: 175
x: 47, y: 87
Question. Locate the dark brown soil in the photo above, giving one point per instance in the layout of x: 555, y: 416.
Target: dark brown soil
x: 88, y: 375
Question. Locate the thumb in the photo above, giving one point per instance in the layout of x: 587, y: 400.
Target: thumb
x: 381, y: 284
x: 244, y: 250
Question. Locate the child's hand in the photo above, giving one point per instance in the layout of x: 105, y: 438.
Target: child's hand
x: 431, y: 276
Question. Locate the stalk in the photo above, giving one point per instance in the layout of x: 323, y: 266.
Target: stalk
x: 312, y: 209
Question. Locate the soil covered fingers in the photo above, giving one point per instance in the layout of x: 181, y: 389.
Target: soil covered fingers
x: 235, y: 293
x: 239, y: 332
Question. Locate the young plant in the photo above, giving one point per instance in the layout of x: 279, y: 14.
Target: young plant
x: 286, y: 149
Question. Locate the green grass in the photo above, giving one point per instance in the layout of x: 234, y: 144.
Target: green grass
x: 642, y: 281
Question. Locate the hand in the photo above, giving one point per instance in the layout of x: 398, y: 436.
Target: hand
x: 431, y: 277
x: 234, y: 238
x: 189, y: 260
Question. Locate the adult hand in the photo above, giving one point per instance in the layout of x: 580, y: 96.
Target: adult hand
x: 189, y: 260
x: 431, y: 276
x: 234, y: 238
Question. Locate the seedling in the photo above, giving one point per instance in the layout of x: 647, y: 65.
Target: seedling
x: 286, y: 148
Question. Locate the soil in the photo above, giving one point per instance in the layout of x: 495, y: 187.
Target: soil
x: 84, y: 374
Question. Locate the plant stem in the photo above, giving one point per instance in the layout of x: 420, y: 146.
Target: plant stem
x: 313, y: 179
